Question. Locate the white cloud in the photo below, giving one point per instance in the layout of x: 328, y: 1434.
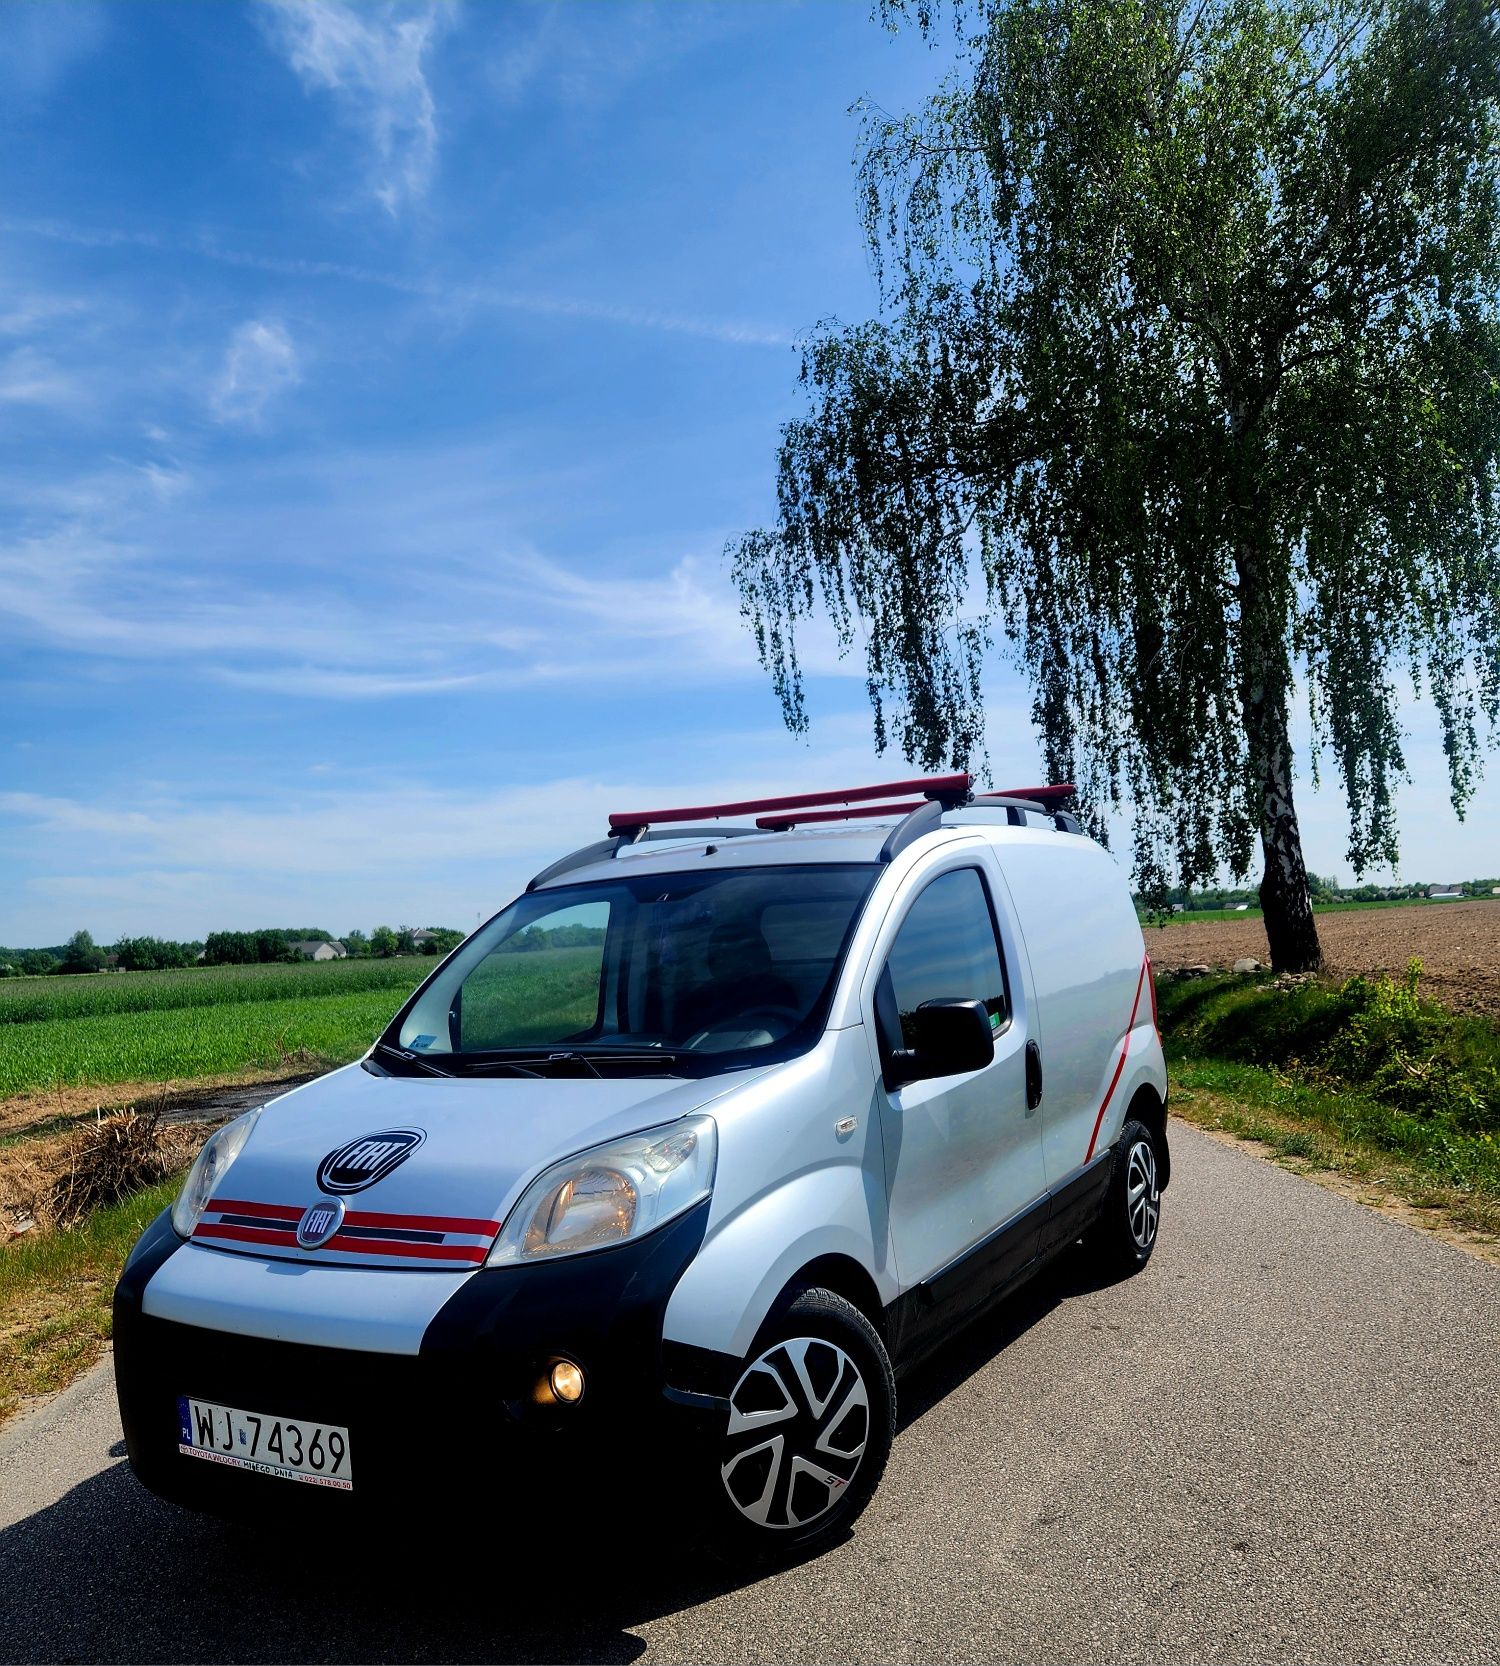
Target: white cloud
x: 370, y: 57
x: 259, y: 364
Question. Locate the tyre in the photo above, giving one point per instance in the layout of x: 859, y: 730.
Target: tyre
x: 811, y: 1420
x: 1123, y: 1237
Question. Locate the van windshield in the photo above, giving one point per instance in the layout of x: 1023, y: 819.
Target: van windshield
x: 671, y: 973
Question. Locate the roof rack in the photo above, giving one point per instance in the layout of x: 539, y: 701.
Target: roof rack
x: 940, y: 793
x: 950, y: 791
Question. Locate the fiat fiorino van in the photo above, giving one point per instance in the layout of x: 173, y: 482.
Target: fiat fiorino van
x: 679, y: 1159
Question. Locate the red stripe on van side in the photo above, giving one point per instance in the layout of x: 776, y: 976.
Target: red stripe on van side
x: 1114, y: 1080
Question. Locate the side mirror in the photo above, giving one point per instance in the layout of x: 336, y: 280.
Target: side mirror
x: 950, y: 1037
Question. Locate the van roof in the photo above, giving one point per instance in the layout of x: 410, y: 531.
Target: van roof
x: 743, y: 846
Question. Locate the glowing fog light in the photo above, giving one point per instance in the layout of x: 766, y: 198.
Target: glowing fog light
x: 566, y: 1379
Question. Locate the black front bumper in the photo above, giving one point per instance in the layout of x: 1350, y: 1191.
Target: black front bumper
x: 458, y: 1416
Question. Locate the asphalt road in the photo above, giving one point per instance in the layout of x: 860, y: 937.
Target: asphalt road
x: 1280, y: 1442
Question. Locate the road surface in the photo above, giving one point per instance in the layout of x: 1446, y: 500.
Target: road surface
x: 1280, y: 1442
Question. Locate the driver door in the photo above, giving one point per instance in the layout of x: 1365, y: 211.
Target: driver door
x: 963, y: 1154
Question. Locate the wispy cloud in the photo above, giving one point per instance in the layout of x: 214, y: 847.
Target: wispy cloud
x: 43, y: 41
x: 447, y: 292
x: 28, y: 377
x: 245, y: 576
x: 370, y: 57
x: 260, y: 363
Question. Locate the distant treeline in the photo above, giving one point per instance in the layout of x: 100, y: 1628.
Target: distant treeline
x: 558, y: 937
x: 220, y: 948
x: 1322, y: 891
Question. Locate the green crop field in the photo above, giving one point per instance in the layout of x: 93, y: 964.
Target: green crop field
x: 154, y: 1026
x: 36, y: 1000
x: 158, y: 1026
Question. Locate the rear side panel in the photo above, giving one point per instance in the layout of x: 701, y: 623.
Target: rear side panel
x: 1099, y: 1044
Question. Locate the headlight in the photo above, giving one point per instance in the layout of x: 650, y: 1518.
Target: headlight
x: 614, y: 1192
x: 208, y: 1170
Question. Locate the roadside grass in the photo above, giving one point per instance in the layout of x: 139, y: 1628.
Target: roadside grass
x: 1363, y: 1078
x: 55, y: 1295
x: 42, y: 1000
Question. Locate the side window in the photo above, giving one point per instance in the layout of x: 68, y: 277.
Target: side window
x: 538, y: 986
x: 946, y: 949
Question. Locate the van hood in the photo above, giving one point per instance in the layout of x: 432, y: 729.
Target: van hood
x: 425, y: 1168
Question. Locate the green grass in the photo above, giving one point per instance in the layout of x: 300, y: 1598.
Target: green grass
x: 1360, y: 1076
x: 514, y: 1000
x: 273, y: 1015
x: 191, y: 1041
x: 42, y: 1000
x: 55, y: 1295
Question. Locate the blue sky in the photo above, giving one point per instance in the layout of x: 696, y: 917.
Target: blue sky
x: 378, y: 387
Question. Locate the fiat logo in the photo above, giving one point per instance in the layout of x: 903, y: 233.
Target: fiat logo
x: 319, y: 1222
x: 369, y: 1158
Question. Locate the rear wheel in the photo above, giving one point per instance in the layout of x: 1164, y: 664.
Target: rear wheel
x: 810, y: 1424
x: 1124, y: 1236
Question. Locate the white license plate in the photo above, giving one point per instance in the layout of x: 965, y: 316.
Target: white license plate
x: 296, y: 1450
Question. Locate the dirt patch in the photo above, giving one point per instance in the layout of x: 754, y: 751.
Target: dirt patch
x: 1458, y: 944
x: 200, y: 1099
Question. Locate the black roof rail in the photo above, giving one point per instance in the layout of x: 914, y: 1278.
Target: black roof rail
x: 926, y: 818
x: 604, y: 850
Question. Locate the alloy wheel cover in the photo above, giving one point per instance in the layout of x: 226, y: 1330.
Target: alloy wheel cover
x: 799, y: 1421
x: 1142, y: 1195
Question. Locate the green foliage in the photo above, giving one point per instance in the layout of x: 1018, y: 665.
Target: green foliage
x: 552, y: 937
x: 1432, y: 1076
x: 356, y: 944
x: 82, y: 954
x: 153, y: 954
x: 247, y: 948
x: 383, y: 941
x: 1188, y: 384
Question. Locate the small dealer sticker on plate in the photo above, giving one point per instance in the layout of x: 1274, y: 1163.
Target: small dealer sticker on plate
x: 291, y: 1448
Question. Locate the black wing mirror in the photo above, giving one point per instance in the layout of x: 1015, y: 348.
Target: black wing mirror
x: 949, y: 1038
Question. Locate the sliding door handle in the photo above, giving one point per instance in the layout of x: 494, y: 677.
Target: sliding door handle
x: 1033, y: 1075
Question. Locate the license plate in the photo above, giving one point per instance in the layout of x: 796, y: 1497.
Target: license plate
x: 317, y: 1453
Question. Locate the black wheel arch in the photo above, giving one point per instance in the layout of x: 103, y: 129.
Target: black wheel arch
x: 1149, y: 1108
x: 844, y: 1276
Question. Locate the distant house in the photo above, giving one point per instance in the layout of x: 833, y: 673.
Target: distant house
x: 421, y: 938
x: 312, y: 949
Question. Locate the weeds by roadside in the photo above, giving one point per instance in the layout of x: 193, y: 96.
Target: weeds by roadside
x: 1362, y: 1077
x: 55, y: 1294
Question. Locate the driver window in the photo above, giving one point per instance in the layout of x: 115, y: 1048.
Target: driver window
x: 948, y: 949
x: 540, y: 983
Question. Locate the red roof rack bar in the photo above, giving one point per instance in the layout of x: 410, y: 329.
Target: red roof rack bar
x: 930, y: 786
x: 795, y: 818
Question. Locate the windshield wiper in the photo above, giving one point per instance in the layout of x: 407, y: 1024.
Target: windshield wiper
x: 534, y: 1064
x: 424, y: 1065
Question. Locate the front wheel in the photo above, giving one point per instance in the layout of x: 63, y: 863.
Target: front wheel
x: 1123, y: 1237
x: 810, y: 1424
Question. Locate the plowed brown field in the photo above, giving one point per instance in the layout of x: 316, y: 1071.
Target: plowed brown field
x: 1458, y: 944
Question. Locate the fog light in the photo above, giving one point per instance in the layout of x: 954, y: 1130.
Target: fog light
x: 567, y: 1382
